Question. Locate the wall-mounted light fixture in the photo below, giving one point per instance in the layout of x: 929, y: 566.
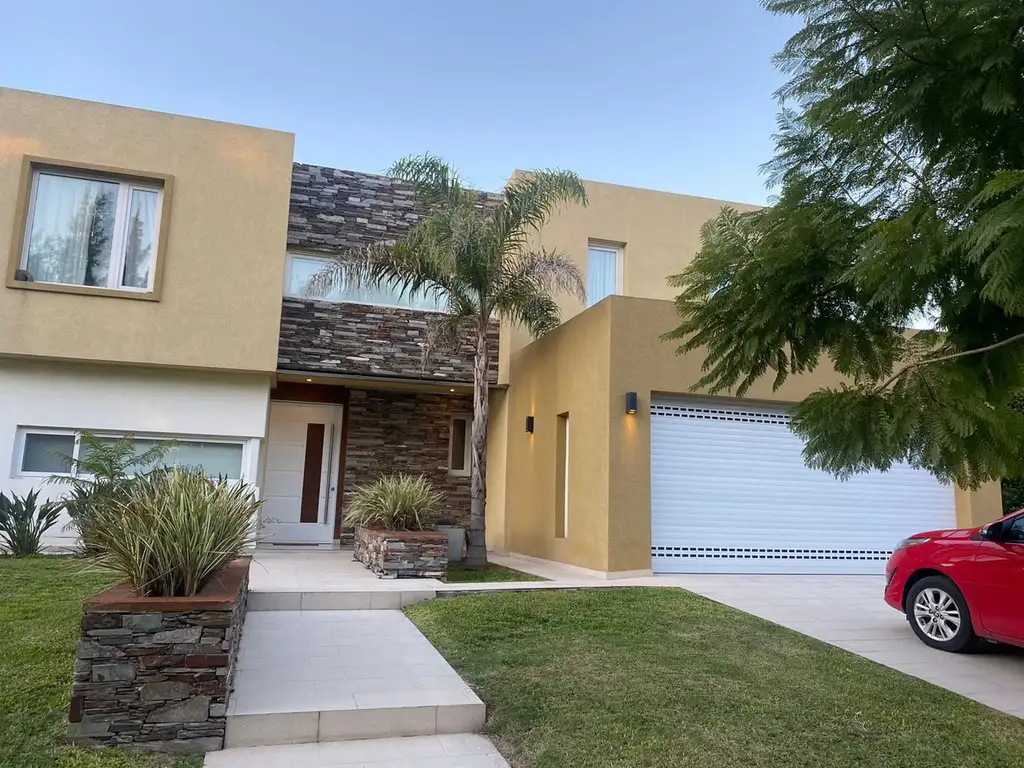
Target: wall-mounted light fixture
x: 529, y: 425
x: 631, y: 402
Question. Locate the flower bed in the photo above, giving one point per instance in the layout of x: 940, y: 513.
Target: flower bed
x: 403, y: 554
x: 155, y: 672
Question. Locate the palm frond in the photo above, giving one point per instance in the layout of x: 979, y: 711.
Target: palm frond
x: 551, y: 271
x: 529, y: 201
x: 435, y: 182
x: 525, y: 303
x: 443, y: 332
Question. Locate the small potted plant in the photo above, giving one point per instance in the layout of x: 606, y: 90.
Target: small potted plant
x: 394, y: 517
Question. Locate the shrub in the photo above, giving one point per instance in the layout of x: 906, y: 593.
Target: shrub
x: 102, y: 472
x: 23, y: 522
x: 172, y: 529
x: 394, y: 503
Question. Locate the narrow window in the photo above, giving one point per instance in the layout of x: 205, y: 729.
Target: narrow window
x: 562, y: 475
x: 98, y: 232
x: 301, y: 269
x: 459, y: 445
x: 604, y: 272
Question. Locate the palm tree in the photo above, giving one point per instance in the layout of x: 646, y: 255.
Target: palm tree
x: 474, y: 256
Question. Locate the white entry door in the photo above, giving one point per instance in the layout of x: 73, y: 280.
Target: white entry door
x: 300, y: 480
x: 730, y: 493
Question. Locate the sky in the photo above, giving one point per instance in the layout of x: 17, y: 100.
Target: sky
x: 674, y: 95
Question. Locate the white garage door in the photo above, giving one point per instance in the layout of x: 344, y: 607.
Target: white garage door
x: 730, y: 493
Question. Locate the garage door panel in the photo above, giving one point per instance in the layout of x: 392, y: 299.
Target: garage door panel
x: 730, y: 493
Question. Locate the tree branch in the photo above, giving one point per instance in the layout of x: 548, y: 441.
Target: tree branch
x: 946, y: 358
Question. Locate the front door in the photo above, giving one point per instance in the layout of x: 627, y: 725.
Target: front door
x: 300, y: 481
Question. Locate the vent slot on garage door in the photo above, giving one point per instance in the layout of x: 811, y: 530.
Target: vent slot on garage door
x: 719, y: 414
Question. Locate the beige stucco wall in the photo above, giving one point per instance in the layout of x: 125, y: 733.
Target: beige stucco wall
x: 586, y: 367
x: 566, y: 371
x: 222, y: 267
x: 659, y: 233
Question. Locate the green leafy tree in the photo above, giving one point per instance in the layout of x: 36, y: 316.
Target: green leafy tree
x: 900, y: 169
x: 473, y: 255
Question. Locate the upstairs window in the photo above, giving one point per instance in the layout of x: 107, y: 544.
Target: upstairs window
x: 92, y: 231
x: 604, y: 272
x: 302, y: 267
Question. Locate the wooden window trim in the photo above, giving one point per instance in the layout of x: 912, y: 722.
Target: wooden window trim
x: 30, y: 165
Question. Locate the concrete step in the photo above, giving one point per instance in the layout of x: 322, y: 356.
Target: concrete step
x: 463, y: 750
x: 317, y: 676
x: 383, y: 597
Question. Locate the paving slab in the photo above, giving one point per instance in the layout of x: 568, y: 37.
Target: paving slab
x: 306, y: 676
x: 463, y: 750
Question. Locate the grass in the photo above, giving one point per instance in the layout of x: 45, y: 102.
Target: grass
x: 458, y: 573
x: 661, y: 678
x: 40, y: 608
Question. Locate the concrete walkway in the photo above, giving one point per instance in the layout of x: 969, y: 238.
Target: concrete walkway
x: 309, y: 676
x: 846, y: 611
x: 449, y: 751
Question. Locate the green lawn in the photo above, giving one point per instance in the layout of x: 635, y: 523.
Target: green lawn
x: 40, y: 608
x: 458, y: 573
x: 661, y: 678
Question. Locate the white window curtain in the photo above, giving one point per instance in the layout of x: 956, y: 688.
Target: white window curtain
x: 72, y: 230
x: 141, y: 240
x: 602, y: 273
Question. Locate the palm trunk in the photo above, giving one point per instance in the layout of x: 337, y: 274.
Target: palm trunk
x: 476, y: 555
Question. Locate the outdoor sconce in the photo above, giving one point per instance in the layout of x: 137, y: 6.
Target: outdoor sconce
x: 631, y: 402
x: 529, y: 425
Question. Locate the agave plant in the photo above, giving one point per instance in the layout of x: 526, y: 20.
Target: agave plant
x: 172, y: 529
x: 23, y: 522
x: 394, y: 503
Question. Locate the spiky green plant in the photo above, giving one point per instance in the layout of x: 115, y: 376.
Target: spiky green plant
x: 476, y: 256
x: 103, y: 470
x: 394, y: 503
x: 23, y: 522
x: 172, y: 529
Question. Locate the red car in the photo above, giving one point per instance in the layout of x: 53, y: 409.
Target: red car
x: 956, y: 586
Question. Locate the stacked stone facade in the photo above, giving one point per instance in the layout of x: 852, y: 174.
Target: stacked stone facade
x: 153, y: 677
x: 408, y: 432
x: 403, y: 554
x: 359, y: 339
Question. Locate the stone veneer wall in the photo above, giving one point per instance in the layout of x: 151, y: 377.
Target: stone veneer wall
x: 391, y: 431
x: 153, y: 677
x: 359, y: 339
x: 403, y: 554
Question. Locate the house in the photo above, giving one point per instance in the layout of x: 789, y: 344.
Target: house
x: 155, y: 284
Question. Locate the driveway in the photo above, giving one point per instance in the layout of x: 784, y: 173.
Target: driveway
x: 848, y: 611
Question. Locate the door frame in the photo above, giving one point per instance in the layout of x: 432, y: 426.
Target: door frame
x: 296, y: 393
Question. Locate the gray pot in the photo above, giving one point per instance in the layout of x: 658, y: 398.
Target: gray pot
x: 456, y: 542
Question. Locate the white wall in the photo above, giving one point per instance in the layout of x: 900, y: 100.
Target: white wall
x: 121, y: 399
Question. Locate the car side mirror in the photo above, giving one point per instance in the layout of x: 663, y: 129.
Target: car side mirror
x: 992, y: 532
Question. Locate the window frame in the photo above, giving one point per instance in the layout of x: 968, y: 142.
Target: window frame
x: 467, y: 462
x: 618, y: 251
x: 23, y: 430
x: 128, y: 180
x: 290, y: 254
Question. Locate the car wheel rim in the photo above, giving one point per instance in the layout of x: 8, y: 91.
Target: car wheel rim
x: 937, y: 614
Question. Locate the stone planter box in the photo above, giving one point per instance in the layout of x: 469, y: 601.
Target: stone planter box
x: 154, y: 672
x: 403, y: 554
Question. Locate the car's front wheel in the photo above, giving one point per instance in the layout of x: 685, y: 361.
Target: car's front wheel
x: 939, y: 616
